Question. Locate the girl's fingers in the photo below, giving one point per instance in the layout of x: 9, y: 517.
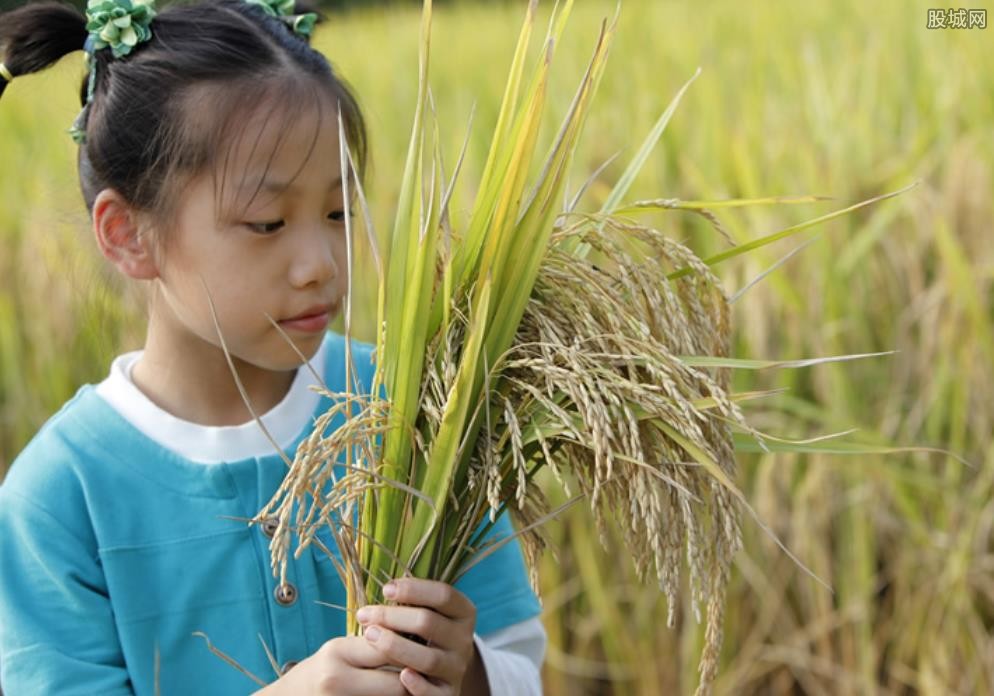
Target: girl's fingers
x: 426, y: 623
x: 430, y: 662
x: 370, y: 682
x: 417, y: 685
x: 440, y: 596
x: 345, y: 665
x: 357, y: 652
x: 434, y: 611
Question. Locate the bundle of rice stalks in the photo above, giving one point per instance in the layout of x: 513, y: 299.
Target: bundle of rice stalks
x: 535, y: 338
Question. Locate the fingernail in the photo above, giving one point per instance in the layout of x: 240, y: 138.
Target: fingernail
x: 390, y: 590
x: 372, y: 634
x: 408, y: 677
x: 364, y: 615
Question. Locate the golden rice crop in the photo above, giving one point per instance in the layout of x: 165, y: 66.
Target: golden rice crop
x: 537, y: 337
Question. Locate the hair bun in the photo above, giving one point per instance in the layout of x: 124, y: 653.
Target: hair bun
x: 36, y: 35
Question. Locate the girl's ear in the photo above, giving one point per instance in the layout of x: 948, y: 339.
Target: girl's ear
x: 118, y: 232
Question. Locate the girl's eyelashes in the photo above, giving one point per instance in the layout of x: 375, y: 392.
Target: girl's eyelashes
x: 276, y: 225
x: 265, y: 227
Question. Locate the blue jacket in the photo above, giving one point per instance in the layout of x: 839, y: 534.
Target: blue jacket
x: 114, y: 550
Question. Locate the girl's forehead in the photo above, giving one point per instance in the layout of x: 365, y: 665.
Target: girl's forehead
x: 282, y: 143
x: 286, y: 136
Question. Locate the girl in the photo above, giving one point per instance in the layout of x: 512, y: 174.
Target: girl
x: 209, y: 162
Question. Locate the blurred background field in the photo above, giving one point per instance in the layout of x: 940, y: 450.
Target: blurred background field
x: 844, y: 99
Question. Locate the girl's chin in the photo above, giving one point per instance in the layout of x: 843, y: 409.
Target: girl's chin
x: 277, y: 355
x: 306, y: 346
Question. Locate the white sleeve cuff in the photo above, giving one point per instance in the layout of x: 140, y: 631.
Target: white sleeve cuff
x: 513, y: 658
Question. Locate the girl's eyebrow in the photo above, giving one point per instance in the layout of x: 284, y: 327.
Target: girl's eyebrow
x: 276, y: 186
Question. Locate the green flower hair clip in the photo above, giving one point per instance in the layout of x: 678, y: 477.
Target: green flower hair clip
x: 119, y: 24
x: 302, y: 24
x: 116, y: 24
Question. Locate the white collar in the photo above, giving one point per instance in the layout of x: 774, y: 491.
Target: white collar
x: 213, y: 444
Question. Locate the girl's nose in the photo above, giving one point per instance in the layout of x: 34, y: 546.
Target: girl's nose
x: 315, y: 260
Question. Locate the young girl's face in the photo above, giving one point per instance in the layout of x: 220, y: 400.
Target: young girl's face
x: 264, y: 237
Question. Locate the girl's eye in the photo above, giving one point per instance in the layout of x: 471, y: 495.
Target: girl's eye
x: 337, y: 216
x: 265, y: 227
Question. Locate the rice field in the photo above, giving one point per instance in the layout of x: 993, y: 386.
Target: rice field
x: 846, y: 100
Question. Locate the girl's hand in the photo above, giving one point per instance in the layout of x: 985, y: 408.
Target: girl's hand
x: 441, y: 615
x: 340, y: 667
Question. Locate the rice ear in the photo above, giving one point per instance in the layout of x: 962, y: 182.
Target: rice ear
x: 506, y: 350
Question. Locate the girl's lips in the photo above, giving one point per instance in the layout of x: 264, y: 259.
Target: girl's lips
x: 315, y: 323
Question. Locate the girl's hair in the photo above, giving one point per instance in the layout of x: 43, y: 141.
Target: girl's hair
x: 169, y: 109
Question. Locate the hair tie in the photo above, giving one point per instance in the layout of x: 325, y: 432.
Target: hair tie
x: 119, y: 25
x: 301, y: 24
x: 5, y: 73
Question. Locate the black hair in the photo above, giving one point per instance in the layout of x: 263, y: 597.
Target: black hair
x: 141, y: 134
